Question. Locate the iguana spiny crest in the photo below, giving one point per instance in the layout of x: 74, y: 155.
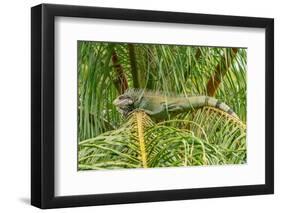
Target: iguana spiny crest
x: 159, y: 105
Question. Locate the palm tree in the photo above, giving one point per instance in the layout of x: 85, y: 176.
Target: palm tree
x: 205, y: 136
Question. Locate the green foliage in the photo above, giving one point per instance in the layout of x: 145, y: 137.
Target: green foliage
x: 177, y: 142
x: 203, y: 137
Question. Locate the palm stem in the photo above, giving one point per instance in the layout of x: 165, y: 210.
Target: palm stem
x: 120, y: 82
x: 139, y: 118
x: 133, y: 63
x: 221, y: 70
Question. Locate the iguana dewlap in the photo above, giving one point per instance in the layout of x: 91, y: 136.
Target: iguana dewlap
x: 159, y: 106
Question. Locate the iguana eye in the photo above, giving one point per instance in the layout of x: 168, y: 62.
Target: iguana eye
x: 122, y: 97
x: 123, y: 101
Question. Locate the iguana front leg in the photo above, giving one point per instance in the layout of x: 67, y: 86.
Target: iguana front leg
x: 160, y: 111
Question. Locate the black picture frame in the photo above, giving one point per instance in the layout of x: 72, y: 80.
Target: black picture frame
x: 43, y: 102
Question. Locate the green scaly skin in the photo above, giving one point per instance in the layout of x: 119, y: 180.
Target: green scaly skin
x: 160, y: 106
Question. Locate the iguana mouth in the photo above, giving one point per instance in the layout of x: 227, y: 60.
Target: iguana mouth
x: 119, y: 103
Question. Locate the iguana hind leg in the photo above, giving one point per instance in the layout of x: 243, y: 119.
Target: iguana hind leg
x: 174, y: 108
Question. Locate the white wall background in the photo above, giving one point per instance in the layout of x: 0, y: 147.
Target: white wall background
x: 15, y: 105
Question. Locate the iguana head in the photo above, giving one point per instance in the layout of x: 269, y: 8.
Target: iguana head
x: 124, y: 104
x: 128, y: 101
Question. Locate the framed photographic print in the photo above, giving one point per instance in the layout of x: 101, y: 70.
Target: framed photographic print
x: 139, y: 106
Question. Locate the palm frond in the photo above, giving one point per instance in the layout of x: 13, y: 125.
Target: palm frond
x: 141, y: 143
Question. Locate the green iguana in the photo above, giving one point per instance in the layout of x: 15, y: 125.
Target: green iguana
x: 158, y: 105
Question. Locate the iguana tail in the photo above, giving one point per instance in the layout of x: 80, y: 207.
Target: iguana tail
x: 194, y: 102
x: 201, y: 101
